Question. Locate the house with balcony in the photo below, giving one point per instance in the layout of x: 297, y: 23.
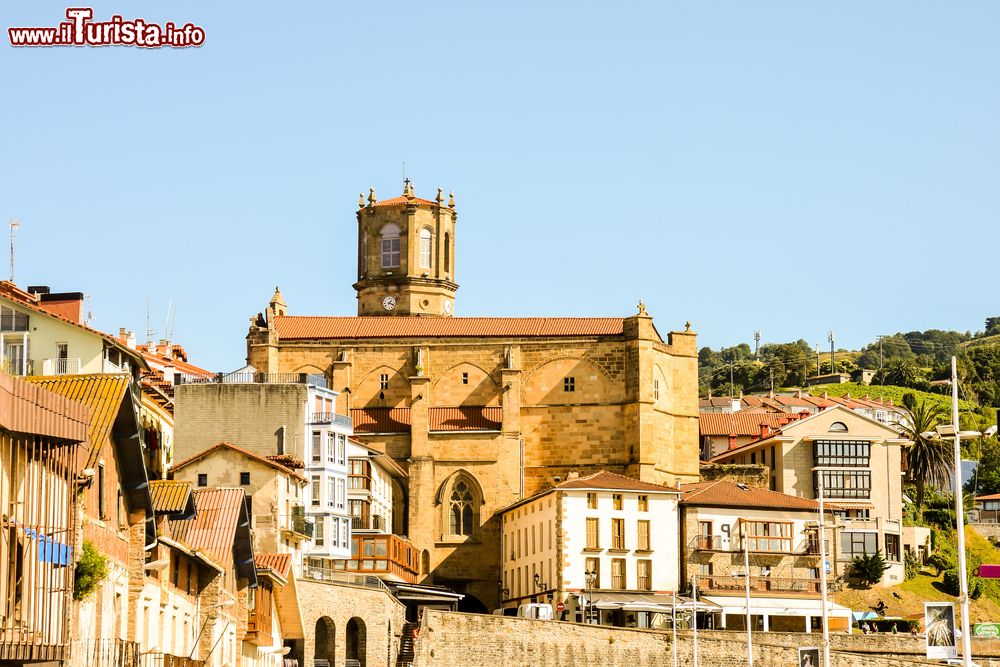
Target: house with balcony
x: 41, y: 437
x: 605, y: 545
x: 44, y: 333
x: 725, y: 525
x: 275, y: 494
x: 857, y: 460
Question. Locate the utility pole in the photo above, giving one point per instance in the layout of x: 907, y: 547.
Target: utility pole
x: 15, y: 224
x: 756, y: 344
x: 746, y: 567
x: 833, y: 354
x: 880, y: 337
x: 732, y: 365
x: 817, y: 358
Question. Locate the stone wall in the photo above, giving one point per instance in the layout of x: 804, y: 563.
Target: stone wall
x: 335, y: 607
x: 988, y: 530
x: 750, y: 474
x: 448, y: 638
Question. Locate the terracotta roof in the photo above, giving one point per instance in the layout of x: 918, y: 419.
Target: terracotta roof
x: 102, y: 394
x: 170, y: 496
x: 279, y: 563
x: 27, y: 408
x: 466, y: 418
x: 723, y: 493
x: 299, y: 327
x: 992, y: 496
x: 611, y: 481
x: 213, y: 529
x: 22, y: 298
x: 254, y: 456
x: 740, y: 423
x: 380, y: 420
x: 160, y: 361
x: 402, y: 199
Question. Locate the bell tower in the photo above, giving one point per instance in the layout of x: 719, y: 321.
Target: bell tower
x: 406, y: 255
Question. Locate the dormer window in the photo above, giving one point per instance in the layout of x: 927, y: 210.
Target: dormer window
x: 390, y: 247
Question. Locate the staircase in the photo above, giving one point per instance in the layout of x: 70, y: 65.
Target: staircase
x: 406, y: 645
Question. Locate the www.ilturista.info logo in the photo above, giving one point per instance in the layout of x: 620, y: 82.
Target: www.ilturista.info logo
x: 80, y: 30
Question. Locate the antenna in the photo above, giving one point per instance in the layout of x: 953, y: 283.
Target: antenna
x: 166, y: 325
x: 149, y: 332
x: 833, y: 354
x: 756, y: 343
x: 15, y: 224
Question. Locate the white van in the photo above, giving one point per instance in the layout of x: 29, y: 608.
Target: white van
x: 542, y: 612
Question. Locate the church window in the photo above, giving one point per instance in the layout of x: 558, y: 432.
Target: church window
x: 383, y: 381
x: 460, y: 506
x: 447, y: 252
x: 390, y: 247
x: 569, y: 384
x: 425, y: 248
x: 461, y: 509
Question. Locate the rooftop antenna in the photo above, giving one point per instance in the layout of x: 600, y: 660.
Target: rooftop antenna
x: 833, y: 354
x: 149, y: 332
x: 168, y: 329
x: 15, y: 224
x: 756, y: 343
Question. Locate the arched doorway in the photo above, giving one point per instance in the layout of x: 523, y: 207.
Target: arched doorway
x: 356, y: 641
x: 472, y: 605
x: 325, y: 642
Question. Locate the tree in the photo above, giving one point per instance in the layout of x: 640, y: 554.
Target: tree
x: 869, y: 568
x: 898, y: 372
x: 992, y: 326
x: 927, y: 459
x: 987, y: 478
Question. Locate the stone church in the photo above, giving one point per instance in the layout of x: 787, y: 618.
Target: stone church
x: 483, y: 411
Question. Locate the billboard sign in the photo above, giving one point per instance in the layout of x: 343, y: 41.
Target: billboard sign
x: 809, y: 656
x: 939, y: 626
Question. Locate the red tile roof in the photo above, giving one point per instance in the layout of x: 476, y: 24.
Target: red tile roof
x: 279, y: 563
x: 300, y: 327
x: 27, y: 408
x: 741, y: 423
x: 213, y: 528
x: 992, y: 496
x: 380, y: 420
x: 612, y: 482
x: 402, y: 199
x: 169, y: 496
x: 245, y: 452
x: 466, y: 418
x: 723, y: 493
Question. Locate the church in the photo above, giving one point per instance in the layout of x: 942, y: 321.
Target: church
x: 483, y: 411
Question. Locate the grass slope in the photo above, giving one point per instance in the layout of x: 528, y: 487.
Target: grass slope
x: 885, y: 392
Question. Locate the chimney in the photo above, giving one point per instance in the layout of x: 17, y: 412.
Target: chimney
x: 68, y: 305
x: 121, y: 335
x: 825, y: 396
x: 572, y: 474
x: 764, y: 430
x: 798, y: 393
x: 735, y: 405
x: 166, y: 348
x: 130, y: 339
x: 151, y: 347
x: 803, y: 414
x: 732, y: 441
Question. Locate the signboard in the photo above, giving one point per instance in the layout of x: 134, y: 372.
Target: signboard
x: 809, y: 656
x: 987, y: 571
x: 986, y: 630
x: 560, y: 606
x: 828, y: 569
x: 939, y: 626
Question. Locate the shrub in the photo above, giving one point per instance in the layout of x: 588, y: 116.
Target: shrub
x: 912, y: 565
x: 950, y: 582
x: 91, y: 569
x: 941, y: 561
x: 869, y: 568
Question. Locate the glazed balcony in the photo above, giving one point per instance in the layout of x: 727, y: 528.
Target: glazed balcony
x: 759, y: 545
x: 388, y: 557
x: 776, y: 586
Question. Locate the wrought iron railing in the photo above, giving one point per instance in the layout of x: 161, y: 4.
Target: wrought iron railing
x: 330, y: 418
x: 252, y: 378
x: 736, y: 583
x: 340, y: 577
x: 373, y: 522
x: 300, y: 523
x: 110, y: 653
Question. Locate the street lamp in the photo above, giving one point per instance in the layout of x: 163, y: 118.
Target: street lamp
x: 591, y: 576
x: 539, y: 584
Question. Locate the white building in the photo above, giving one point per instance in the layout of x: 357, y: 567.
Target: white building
x: 326, y: 469
x: 604, y: 539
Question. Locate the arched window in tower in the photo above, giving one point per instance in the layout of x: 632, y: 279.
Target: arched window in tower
x: 390, y: 247
x: 460, y: 510
x: 447, y: 251
x: 425, y: 248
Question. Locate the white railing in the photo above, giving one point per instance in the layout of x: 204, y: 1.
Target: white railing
x: 60, y: 366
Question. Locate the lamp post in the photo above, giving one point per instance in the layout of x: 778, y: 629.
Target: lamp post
x: 539, y: 584
x: 591, y: 576
x: 822, y: 564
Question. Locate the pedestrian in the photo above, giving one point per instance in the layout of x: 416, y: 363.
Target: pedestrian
x: 864, y: 627
x: 894, y: 630
x: 874, y: 628
x: 913, y: 630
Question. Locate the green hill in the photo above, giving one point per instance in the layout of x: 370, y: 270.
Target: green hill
x: 886, y: 392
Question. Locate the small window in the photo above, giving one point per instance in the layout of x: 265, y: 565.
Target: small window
x: 390, y: 247
x: 838, y: 427
x: 317, y: 444
x: 617, y: 498
x: 592, y: 501
x: 618, y: 533
x: 320, y: 521
x: 593, y: 533
x: 202, y: 479
x: 656, y: 389
x: 244, y: 479
x: 425, y: 248
x: 569, y: 384
x: 383, y: 381
x: 101, y: 508
x: 643, y: 503
x: 465, y: 378
x: 315, y: 491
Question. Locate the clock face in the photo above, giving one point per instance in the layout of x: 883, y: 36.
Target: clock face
x: 389, y: 302
x: 447, y: 306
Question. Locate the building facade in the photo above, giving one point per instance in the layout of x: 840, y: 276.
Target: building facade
x: 498, y: 406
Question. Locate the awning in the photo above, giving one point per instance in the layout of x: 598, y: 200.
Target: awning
x: 779, y: 606
x: 849, y: 504
x: 417, y: 592
x: 651, y: 602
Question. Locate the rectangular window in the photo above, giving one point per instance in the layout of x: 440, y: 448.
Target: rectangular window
x: 592, y: 501
x: 656, y: 389
x: 643, y: 532
x: 465, y: 378
x: 618, y: 573
x: 341, y: 449
x: 331, y: 447
x: 858, y: 544
x: 593, y: 533
x: 320, y: 522
x: 244, y: 479
x: 330, y: 493
x: 617, y: 501
x: 281, y: 439
x: 569, y: 384
x: 643, y: 503
x: 315, y: 491
x: 390, y: 253
x: 383, y: 381
x: 101, y: 505
x: 343, y: 532
x: 842, y: 453
x: 341, y: 494
x: 618, y: 533
x: 892, y: 547
x: 593, y: 565
x: 317, y: 446
x: 846, y: 483
x: 425, y: 251
x: 533, y: 542
x: 202, y: 479
x: 767, y: 536
x: 644, y: 575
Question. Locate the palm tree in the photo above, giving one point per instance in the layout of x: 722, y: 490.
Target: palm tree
x: 928, y: 459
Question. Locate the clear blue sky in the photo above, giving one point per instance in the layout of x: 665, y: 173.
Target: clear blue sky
x: 776, y: 165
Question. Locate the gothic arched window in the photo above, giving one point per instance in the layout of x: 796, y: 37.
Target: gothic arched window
x: 460, y: 498
x: 390, y: 247
x: 425, y: 248
x: 460, y: 509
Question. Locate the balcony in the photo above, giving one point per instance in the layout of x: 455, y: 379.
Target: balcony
x: 60, y: 366
x: 375, y: 522
x: 330, y: 418
x: 300, y: 523
x: 252, y: 378
x: 389, y: 557
x: 876, y: 523
x: 10, y: 322
x: 736, y: 585
x: 18, y: 366
x: 259, y: 617
x: 759, y: 545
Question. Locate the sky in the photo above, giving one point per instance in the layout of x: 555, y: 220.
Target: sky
x: 783, y: 166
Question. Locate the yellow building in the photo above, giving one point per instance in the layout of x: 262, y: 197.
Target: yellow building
x: 483, y: 411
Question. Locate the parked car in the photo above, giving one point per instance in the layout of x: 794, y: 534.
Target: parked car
x: 535, y: 610
x: 505, y: 611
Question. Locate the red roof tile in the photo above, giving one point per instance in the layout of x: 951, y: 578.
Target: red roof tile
x: 992, y: 496
x: 723, y: 493
x: 402, y: 199
x: 466, y: 418
x: 611, y: 481
x: 279, y: 563
x: 380, y: 420
x: 245, y: 452
x: 213, y: 528
x: 741, y: 423
x: 300, y: 327
x: 27, y: 408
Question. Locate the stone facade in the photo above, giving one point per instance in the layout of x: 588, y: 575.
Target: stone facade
x: 633, y: 408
